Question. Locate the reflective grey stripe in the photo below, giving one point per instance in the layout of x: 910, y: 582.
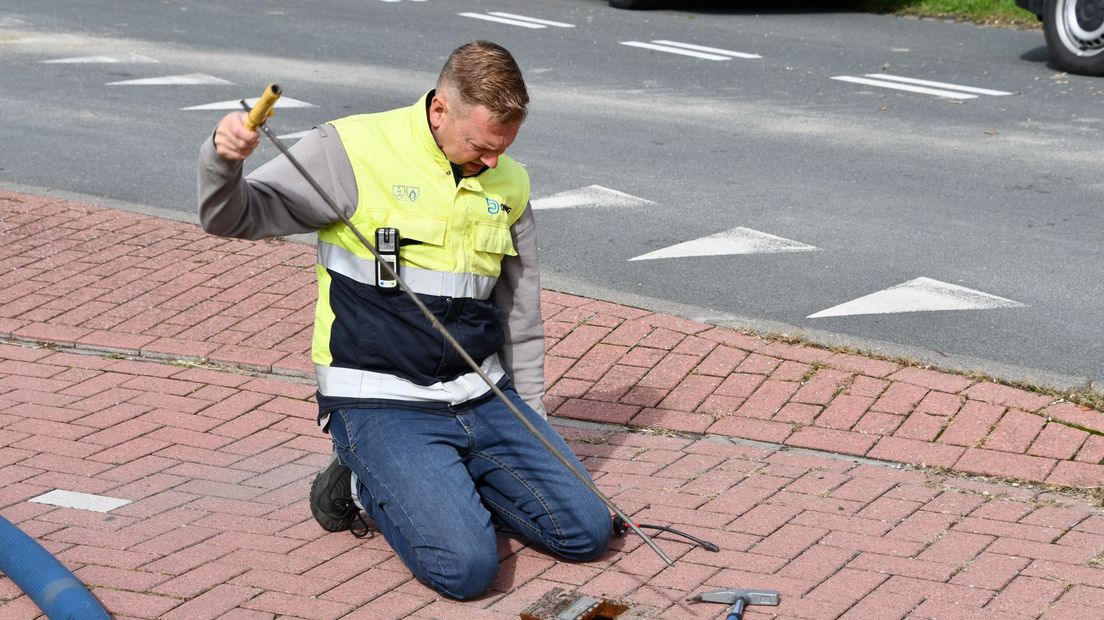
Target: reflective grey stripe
x: 352, y: 383
x: 423, y: 281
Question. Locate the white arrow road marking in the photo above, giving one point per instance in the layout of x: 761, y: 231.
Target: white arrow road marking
x: 590, y: 196
x: 235, y: 104
x: 919, y: 295
x: 924, y: 87
x: 189, y: 79
x: 739, y: 240
x: 128, y: 58
x: 688, y: 49
x: 83, y: 501
x: 516, y: 20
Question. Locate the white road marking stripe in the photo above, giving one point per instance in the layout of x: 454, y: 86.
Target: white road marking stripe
x: 235, y: 104
x: 919, y: 295
x: 535, y: 20
x: 739, y: 240
x: 502, y: 20
x: 702, y: 48
x: 675, y: 50
x: 965, y: 89
x: 912, y: 89
x: 83, y: 501
x: 294, y: 136
x: 190, y: 79
x: 129, y: 58
x: 590, y: 196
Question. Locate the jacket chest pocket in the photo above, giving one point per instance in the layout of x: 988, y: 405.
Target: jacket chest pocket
x: 491, y: 238
x: 421, y: 228
x: 423, y: 238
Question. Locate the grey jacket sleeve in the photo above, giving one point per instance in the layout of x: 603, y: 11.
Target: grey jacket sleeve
x: 275, y: 199
x: 517, y: 295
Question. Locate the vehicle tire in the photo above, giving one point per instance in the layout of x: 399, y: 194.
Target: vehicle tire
x: 1074, y: 32
x: 634, y: 4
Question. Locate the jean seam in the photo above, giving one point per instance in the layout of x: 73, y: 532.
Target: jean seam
x: 536, y: 494
x: 525, y: 525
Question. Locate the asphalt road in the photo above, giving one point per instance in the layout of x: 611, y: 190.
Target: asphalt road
x: 998, y: 194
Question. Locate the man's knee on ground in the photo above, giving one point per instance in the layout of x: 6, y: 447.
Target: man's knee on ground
x: 467, y: 576
x: 595, y: 529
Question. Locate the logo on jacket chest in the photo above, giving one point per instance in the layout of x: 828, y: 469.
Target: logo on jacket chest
x: 494, y: 207
x: 406, y: 192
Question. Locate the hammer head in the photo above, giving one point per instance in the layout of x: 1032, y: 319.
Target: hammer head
x: 729, y: 596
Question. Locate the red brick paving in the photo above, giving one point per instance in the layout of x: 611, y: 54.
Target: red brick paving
x: 218, y: 462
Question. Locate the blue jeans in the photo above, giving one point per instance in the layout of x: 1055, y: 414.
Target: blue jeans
x: 432, y: 479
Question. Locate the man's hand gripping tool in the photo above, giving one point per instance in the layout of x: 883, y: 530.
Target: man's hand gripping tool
x: 738, y: 599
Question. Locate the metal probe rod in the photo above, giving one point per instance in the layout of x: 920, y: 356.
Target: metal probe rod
x: 587, y: 482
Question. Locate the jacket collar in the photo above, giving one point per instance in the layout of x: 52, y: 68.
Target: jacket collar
x: 419, y: 121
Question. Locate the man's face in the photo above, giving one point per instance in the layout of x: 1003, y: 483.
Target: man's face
x: 469, y: 135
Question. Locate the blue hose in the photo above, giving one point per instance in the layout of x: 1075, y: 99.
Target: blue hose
x: 49, y: 584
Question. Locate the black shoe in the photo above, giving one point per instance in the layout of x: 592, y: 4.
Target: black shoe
x: 331, y: 499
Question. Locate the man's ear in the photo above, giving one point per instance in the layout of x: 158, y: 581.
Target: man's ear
x: 437, y: 107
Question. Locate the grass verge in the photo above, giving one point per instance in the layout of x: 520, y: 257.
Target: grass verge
x: 993, y: 12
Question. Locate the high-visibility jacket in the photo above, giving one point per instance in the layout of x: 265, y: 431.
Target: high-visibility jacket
x: 375, y: 344
x: 386, y: 170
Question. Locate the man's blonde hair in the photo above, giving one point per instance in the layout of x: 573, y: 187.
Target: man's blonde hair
x: 484, y: 73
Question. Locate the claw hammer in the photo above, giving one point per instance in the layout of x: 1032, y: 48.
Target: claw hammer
x: 738, y: 599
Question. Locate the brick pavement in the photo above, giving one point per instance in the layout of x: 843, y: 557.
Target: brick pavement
x: 145, y: 360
